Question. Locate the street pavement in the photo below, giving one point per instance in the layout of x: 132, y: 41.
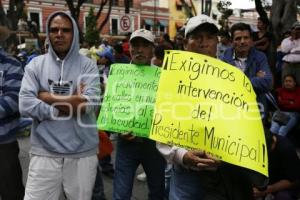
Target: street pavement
x: 140, y: 189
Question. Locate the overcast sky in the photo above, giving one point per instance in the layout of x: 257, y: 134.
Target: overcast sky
x: 242, y: 4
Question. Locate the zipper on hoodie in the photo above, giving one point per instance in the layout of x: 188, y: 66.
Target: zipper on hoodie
x: 60, y: 81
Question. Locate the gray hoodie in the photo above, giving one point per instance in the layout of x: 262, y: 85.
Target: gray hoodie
x: 77, y: 136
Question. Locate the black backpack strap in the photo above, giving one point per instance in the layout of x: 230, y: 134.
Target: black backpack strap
x: 272, y: 100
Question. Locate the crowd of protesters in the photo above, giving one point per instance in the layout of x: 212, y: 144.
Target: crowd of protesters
x: 63, y: 155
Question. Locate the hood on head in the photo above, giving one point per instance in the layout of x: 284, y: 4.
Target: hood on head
x: 74, y: 50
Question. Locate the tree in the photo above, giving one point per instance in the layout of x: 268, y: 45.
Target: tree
x: 75, y: 12
x: 92, y: 33
x: 283, y: 15
x: 10, y: 19
x: 103, y: 3
x: 189, y: 8
x: 223, y: 7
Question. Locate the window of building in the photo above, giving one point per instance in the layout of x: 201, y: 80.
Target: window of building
x: 130, y: 3
x: 114, y: 26
x: 116, y: 2
x: 161, y: 29
x: 35, y: 18
x: 148, y: 27
x: 148, y: 24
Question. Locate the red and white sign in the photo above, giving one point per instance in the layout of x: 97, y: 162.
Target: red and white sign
x: 125, y: 23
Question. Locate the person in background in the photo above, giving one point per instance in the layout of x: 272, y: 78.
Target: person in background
x: 289, y: 102
x: 105, y: 45
x: 133, y: 150
x: 291, y: 47
x: 119, y: 54
x: 125, y: 45
x: 85, y: 49
x: 165, y: 41
x: 179, y: 40
x: 225, y: 43
x: 11, y: 73
x: 159, y: 53
x: 106, y: 58
x: 262, y: 39
x: 279, y: 61
x: 284, y: 172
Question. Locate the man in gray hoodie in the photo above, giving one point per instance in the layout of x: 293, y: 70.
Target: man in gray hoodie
x: 60, y: 91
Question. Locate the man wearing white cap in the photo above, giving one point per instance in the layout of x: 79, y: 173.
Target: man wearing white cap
x: 196, y: 175
x: 131, y: 150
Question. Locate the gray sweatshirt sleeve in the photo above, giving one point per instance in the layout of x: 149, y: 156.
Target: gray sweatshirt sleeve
x: 29, y: 104
x: 91, y: 81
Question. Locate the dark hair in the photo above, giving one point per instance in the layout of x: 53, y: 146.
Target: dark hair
x: 118, y: 48
x: 180, y: 32
x: 264, y: 21
x: 292, y: 76
x: 224, y: 34
x: 166, y: 37
x: 62, y: 14
x: 240, y: 27
x: 159, y: 51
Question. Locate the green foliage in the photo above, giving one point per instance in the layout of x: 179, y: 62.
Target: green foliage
x: 92, y: 33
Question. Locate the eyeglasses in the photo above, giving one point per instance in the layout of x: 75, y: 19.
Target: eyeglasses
x: 63, y: 30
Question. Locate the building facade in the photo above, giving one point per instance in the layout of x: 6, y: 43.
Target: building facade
x: 142, y: 14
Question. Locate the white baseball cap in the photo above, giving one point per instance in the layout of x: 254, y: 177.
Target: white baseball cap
x: 143, y: 33
x: 197, y: 21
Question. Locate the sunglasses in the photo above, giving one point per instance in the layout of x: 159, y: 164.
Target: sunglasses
x: 63, y: 30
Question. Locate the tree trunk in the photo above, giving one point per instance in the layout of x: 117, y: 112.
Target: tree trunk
x: 75, y: 12
x: 3, y: 19
x: 261, y: 11
x: 107, y: 15
x: 283, y: 15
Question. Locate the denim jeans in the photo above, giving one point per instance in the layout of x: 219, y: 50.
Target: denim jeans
x: 168, y: 173
x: 284, y: 130
x: 227, y: 182
x: 11, y: 185
x: 286, y: 195
x: 98, y: 191
x: 128, y: 157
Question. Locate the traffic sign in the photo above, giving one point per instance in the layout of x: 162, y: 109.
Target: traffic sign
x: 125, y: 23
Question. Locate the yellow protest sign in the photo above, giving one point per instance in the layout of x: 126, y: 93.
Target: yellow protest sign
x: 204, y: 103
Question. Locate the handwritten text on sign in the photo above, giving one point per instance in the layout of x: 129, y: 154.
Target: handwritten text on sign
x: 129, y: 99
x: 203, y: 103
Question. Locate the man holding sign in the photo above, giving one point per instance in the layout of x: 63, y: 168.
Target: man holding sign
x: 133, y: 150
x: 196, y: 175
